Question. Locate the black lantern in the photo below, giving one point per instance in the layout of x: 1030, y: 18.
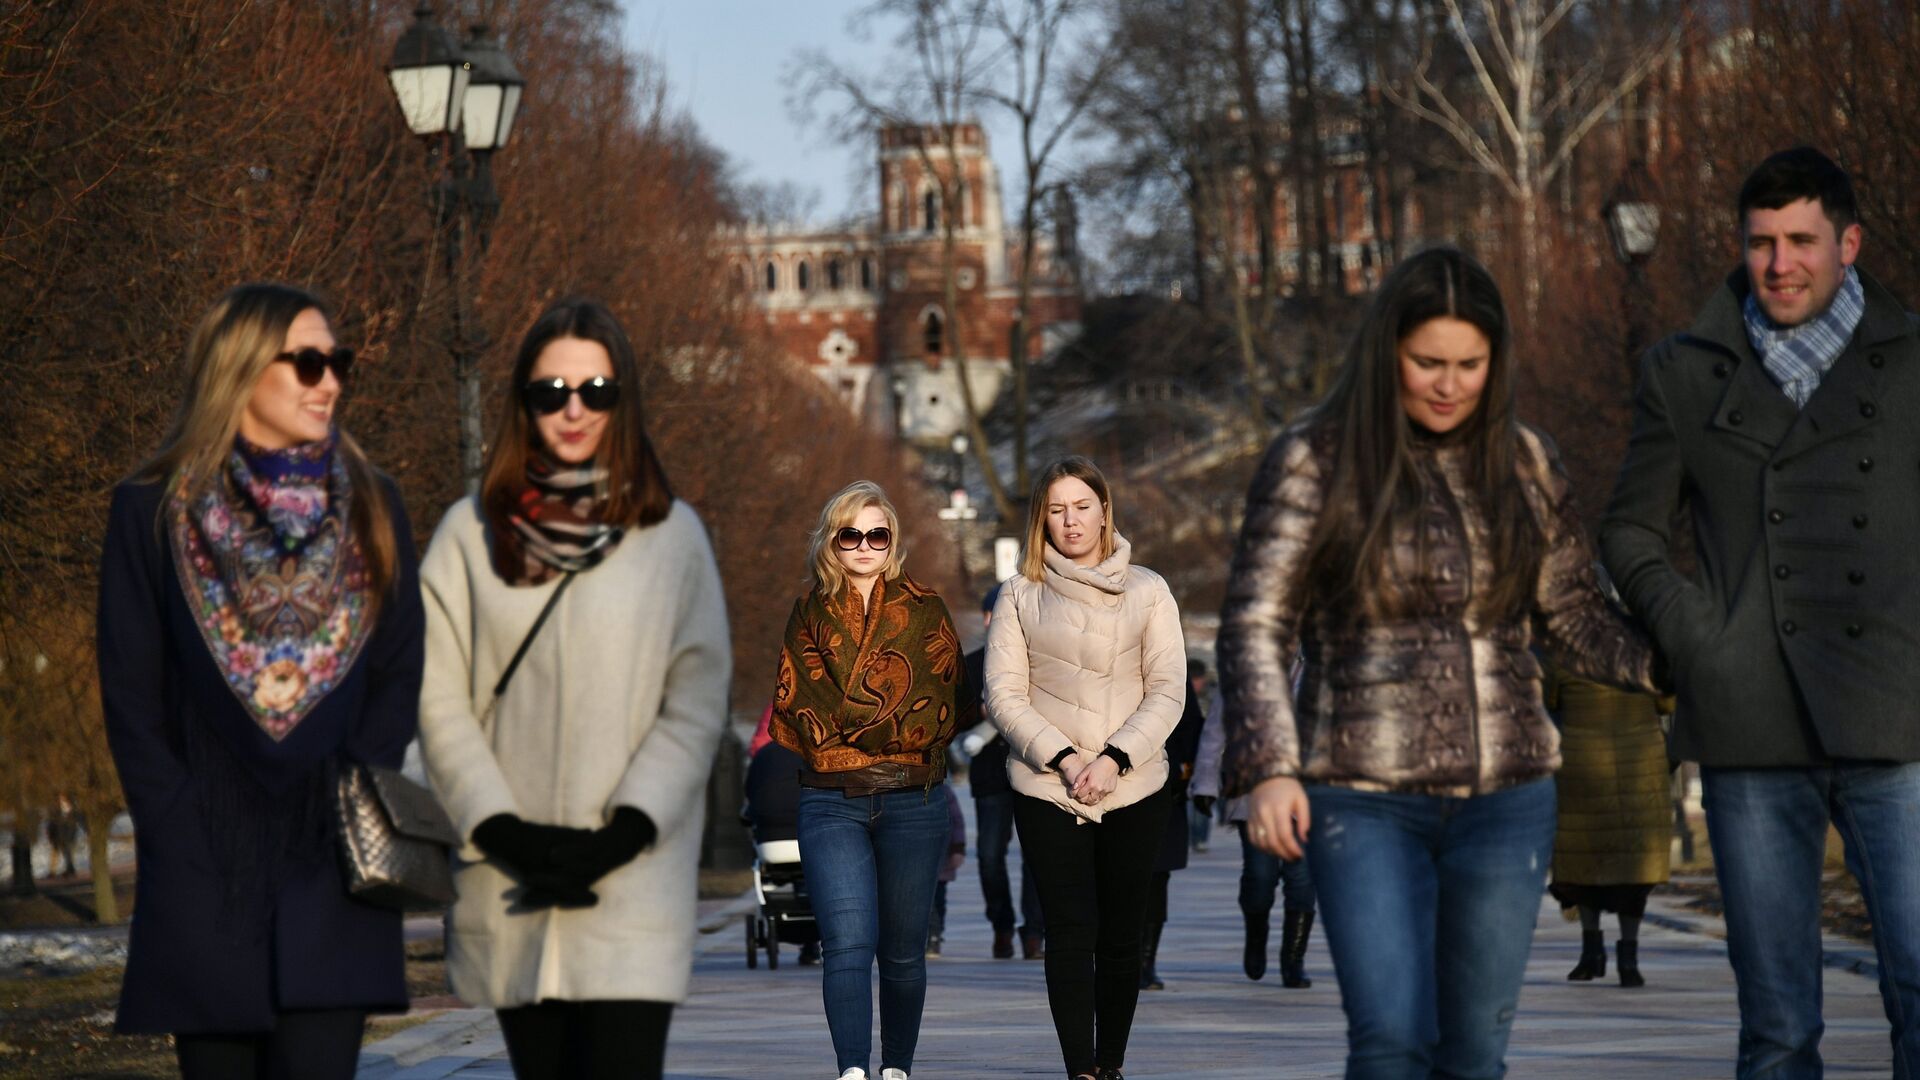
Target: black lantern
x: 429, y: 76
x: 493, y: 93
x: 1631, y: 217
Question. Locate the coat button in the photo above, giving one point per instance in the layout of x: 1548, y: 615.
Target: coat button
x: 1854, y: 630
x: 1720, y: 370
x: 1788, y: 627
x: 1735, y: 418
x: 1856, y: 577
x: 1867, y: 410
x: 1859, y: 521
x: 1877, y: 360
x: 1776, y: 516
x: 1866, y: 464
x: 1783, y: 572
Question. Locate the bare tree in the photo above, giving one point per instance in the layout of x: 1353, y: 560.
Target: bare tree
x: 947, y: 57
x: 1535, y: 133
x: 1033, y: 33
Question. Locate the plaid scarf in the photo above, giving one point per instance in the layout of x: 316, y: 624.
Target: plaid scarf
x: 274, y: 577
x: 558, y: 524
x: 1798, y: 356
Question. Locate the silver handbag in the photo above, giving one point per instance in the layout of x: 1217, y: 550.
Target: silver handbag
x: 395, y: 840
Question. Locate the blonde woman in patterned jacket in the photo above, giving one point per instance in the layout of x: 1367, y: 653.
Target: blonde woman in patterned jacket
x: 1086, y: 678
x: 1406, y: 538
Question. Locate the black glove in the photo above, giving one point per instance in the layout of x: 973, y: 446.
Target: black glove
x: 1204, y: 804
x: 526, y: 849
x: 593, y: 856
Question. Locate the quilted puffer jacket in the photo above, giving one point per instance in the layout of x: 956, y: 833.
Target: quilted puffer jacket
x: 1085, y: 658
x: 1435, y: 701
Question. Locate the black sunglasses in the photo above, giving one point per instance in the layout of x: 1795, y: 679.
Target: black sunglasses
x: 310, y: 365
x: 848, y: 539
x: 549, y: 396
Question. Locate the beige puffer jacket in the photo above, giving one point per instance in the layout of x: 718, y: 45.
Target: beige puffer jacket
x: 1085, y: 658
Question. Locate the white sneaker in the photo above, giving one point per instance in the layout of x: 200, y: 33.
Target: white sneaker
x: 854, y: 1074
x: 893, y: 1074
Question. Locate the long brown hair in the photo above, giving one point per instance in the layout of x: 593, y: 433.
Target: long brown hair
x: 1033, y: 558
x: 1376, y: 486
x: 230, y: 349
x: 637, y: 491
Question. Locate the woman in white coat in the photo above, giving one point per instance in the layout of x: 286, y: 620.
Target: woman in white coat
x: 577, y: 776
x: 1086, y: 677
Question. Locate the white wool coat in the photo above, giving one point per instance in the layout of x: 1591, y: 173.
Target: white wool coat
x: 619, y: 702
x: 1086, y: 657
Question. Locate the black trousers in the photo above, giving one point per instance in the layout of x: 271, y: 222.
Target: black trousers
x: 1095, y: 883
x: 587, y: 1040
x: 319, y: 1044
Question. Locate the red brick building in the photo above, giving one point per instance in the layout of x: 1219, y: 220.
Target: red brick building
x: 864, y: 307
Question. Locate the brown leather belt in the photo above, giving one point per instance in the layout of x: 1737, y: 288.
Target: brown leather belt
x: 876, y: 779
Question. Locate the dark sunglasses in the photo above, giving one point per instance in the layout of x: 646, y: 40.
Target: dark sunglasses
x: 549, y: 396
x: 310, y: 365
x: 848, y: 539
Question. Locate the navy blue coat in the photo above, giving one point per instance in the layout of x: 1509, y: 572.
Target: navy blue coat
x: 199, y: 962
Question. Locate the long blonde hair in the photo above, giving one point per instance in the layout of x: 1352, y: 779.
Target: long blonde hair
x: 829, y: 577
x: 230, y: 349
x: 1033, y: 559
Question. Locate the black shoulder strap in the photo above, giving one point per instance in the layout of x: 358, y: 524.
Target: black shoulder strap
x: 520, y: 654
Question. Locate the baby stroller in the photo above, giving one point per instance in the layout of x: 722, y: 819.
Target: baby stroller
x: 782, y: 912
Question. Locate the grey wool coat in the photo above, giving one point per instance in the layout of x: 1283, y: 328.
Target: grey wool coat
x: 1797, y: 640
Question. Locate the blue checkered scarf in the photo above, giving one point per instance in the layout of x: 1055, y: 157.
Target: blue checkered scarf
x: 1798, y: 356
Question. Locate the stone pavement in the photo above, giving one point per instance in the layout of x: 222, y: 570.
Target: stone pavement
x: 988, y: 1018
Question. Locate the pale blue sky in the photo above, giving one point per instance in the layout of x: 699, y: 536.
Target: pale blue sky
x: 726, y: 63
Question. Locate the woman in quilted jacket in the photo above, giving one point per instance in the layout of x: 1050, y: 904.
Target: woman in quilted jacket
x: 871, y: 689
x: 1407, y: 537
x: 1086, y: 677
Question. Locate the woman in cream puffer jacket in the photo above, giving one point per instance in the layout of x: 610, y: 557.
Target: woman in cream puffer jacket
x: 1086, y: 677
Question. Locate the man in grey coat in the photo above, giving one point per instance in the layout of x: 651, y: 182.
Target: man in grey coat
x: 1786, y: 423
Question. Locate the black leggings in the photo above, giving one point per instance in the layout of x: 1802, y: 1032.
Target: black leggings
x: 1095, y: 882
x: 587, y: 1040
x: 317, y: 1044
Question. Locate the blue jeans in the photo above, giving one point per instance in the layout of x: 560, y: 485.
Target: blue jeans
x: 993, y: 827
x: 1429, y: 905
x: 1769, y: 833
x: 1261, y: 874
x: 871, y: 863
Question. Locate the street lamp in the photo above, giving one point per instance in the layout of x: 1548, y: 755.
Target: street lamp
x: 462, y: 99
x: 429, y: 76
x: 1633, y: 227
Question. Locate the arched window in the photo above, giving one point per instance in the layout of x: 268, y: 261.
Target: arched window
x: 803, y: 276
x: 930, y: 206
x: 935, y: 337
x: 772, y: 276
x: 835, y: 279
x: 866, y: 274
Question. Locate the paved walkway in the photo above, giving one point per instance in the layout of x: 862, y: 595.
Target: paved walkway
x: 988, y: 1018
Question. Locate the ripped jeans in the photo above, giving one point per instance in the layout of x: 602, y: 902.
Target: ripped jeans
x: 1429, y: 905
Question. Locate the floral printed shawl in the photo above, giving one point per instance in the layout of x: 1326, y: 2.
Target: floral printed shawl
x: 861, y: 686
x: 274, y: 578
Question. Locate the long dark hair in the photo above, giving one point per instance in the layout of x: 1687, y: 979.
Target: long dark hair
x: 637, y: 489
x: 231, y: 347
x: 1375, y: 484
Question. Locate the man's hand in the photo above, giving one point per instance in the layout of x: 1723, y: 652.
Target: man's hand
x: 1278, y: 817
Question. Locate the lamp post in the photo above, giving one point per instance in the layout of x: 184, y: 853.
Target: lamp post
x: 1633, y: 226
x: 462, y: 99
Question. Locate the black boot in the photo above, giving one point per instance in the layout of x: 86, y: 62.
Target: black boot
x: 1593, y: 957
x: 1628, y: 954
x: 1254, y: 962
x: 1293, y: 948
x: 1149, y: 954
